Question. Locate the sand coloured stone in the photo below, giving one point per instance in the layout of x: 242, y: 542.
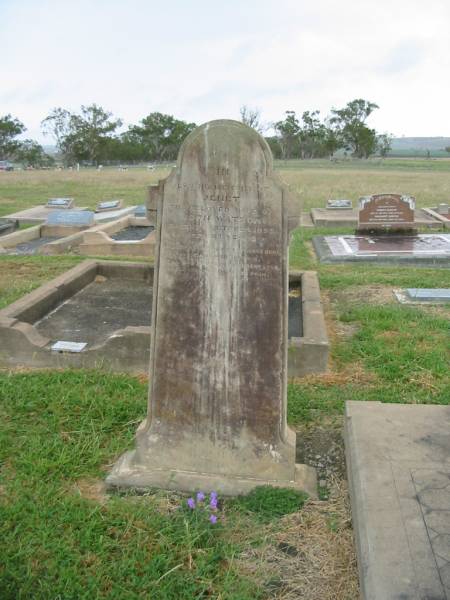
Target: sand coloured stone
x: 218, y: 367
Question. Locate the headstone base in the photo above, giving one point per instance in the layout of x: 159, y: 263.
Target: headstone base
x: 127, y: 474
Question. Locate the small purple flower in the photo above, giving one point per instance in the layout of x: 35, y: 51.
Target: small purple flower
x: 191, y: 503
x: 213, y: 502
x: 200, y: 496
x: 213, y: 519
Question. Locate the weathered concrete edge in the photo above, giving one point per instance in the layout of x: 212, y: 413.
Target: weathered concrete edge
x: 433, y: 213
x: 18, y: 237
x: 309, y: 353
x: 359, y: 522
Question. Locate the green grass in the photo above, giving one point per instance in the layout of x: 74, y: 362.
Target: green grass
x: 62, y: 428
x: 20, y: 275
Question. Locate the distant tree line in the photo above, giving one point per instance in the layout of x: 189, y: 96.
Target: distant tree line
x: 91, y: 136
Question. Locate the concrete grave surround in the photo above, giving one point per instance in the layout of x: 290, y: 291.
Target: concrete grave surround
x: 415, y: 250
x: 113, y: 314
x: 100, y: 241
x: 218, y: 359
x: 37, y: 214
x: 398, y: 463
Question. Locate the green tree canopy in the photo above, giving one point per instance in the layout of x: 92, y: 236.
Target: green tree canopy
x: 160, y: 136
x: 82, y: 137
x: 350, y: 127
x: 10, y: 128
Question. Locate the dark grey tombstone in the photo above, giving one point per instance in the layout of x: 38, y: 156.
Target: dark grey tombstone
x: 218, y: 368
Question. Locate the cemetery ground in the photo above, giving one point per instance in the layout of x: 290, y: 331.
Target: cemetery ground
x: 64, y: 537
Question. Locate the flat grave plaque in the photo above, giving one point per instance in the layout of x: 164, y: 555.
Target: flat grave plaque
x: 73, y: 218
x: 140, y: 211
x: 339, y: 204
x: 62, y: 346
x: 60, y: 203
x: 108, y: 205
x: 437, y: 294
x: 386, y: 211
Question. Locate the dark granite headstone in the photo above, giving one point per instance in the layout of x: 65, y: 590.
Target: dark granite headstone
x: 386, y: 213
x: 60, y: 203
x: 73, y: 218
x: 218, y: 367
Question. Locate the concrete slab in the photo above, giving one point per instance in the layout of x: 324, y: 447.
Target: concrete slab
x: 37, y: 214
x: 423, y: 295
x: 107, y: 305
x: 429, y: 249
x: 398, y: 462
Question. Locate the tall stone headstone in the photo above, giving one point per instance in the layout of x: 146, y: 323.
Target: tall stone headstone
x: 218, y: 368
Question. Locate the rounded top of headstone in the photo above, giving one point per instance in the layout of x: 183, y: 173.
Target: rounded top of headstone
x: 226, y: 142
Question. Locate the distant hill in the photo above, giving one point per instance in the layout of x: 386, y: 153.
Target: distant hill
x: 418, y: 146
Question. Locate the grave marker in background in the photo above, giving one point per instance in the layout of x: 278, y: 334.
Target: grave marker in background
x: 60, y: 203
x: 73, y: 218
x: 339, y: 204
x: 386, y: 213
x: 218, y: 367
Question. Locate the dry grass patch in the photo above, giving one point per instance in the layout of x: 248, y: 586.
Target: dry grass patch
x: 312, y: 554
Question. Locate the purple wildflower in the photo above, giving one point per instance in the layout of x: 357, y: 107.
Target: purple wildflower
x: 200, y: 496
x: 191, y: 503
x: 213, y: 501
x: 213, y: 519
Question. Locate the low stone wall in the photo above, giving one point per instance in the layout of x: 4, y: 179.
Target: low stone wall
x: 98, y: 242
x: 309, y: 353
x: 128, y: 349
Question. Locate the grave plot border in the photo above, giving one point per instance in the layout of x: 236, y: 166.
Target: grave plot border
x: 98, y: 242
x: 325, y: 255
x: 128, y: 350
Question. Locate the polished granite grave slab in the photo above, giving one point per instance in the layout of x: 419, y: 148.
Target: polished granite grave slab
x: 427, y: 249
x: 398, y: 463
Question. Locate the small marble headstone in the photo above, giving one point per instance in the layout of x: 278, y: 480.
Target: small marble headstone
x: 108, y: 205
x: 60, y: 203
x: 339, y: 204
x: 443, y: 209
x: 218, y: 367
x: 386, y: 213
x: 73, y: 218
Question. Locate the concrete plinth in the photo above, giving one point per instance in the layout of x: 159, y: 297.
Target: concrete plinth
x: 398, y: 462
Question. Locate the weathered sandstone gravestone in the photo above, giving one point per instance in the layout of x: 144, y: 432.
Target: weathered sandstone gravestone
x: 386, y: 213
x: 217, y: 409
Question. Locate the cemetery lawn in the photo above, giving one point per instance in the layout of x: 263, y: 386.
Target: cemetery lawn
x: 315, y: 181
x: 63, y: 536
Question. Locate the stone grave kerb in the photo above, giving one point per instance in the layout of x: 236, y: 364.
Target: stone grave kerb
x: 218, y: 361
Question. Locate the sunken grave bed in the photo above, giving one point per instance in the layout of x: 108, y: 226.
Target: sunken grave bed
x: 127, y: 236
x: 107, y: 306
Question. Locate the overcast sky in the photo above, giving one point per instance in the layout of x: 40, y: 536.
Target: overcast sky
x: 202, y: 59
